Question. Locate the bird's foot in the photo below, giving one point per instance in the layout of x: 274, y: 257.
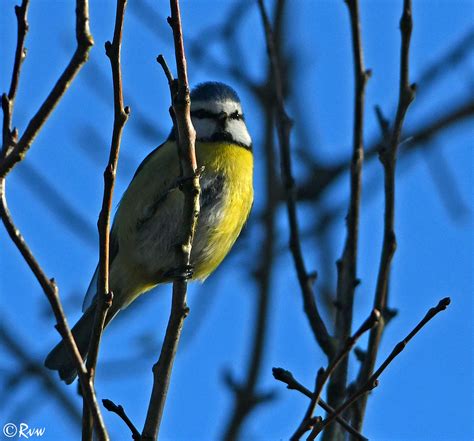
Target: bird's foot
x: 183, y: 273
x: 181, y: 181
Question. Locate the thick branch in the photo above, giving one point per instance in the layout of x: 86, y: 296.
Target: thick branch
x: 284, y: 127
x: 186, y: 136
x: 372, y: 382
x: 388, y: 158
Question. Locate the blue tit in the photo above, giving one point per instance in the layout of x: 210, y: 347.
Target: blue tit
x: 147, y: 226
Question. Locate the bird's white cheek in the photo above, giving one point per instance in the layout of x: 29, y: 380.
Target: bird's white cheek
x: 239, y: 131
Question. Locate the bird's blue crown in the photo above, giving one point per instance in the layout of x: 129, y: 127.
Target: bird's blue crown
x: 214, y: 91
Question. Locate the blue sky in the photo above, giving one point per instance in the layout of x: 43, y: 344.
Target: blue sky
x: 426, y: 394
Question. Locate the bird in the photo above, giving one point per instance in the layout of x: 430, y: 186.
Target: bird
x: 147, y: 227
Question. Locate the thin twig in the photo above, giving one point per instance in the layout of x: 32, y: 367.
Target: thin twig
x: 84, y: 43
x: 284, y: 127
x: 119, y: 410
x: 104, y: 295
x: 373, y: 382
x: 324, y: 374
x: 8, y: 101
x: 388, y: 158
x: 186, y: 137
x: 287, y: 377
x: 347, y: 265
x: 169, y: 76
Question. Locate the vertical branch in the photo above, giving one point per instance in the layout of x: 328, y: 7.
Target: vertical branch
x: 388, y: 158
x: 14, y: 152
x: 284, y: 124
x: 347, y: 264
x: 104, y: 295
x: 186, y: 136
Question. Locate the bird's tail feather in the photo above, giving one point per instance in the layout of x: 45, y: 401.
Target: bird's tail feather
x: 59, y: 358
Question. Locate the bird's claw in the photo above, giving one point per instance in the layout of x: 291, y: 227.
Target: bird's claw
x: 182, y: 273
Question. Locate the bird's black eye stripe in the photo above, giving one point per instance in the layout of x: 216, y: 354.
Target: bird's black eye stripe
x: 202, y: 114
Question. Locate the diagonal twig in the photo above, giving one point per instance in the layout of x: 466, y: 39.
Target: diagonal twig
x: 372, y: 382
x: 287, y: 377
x: 80, y: 56
x: 119, y: 410
x: 324, y: 374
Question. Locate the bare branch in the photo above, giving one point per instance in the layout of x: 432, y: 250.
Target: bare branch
x: 84, y: 43
x: 372, y: 382
x: 104, y: 295
x: 104, y: 299
x: 8, y: 101
x: 119, y: 410
x: 246, y: 393
x: 284, y: 126
x: 190, y: 174
x: 287, y: 377
x: 388, y: 158
x: 51, y: 290
x: 324, y: 374
x: 347, y: 265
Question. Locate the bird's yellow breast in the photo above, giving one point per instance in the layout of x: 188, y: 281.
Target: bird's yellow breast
x: 148, y: 223
x: 221, y: 222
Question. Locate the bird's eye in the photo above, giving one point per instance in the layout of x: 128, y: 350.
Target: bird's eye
x: 236, y: 115
x: 201, y: 114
